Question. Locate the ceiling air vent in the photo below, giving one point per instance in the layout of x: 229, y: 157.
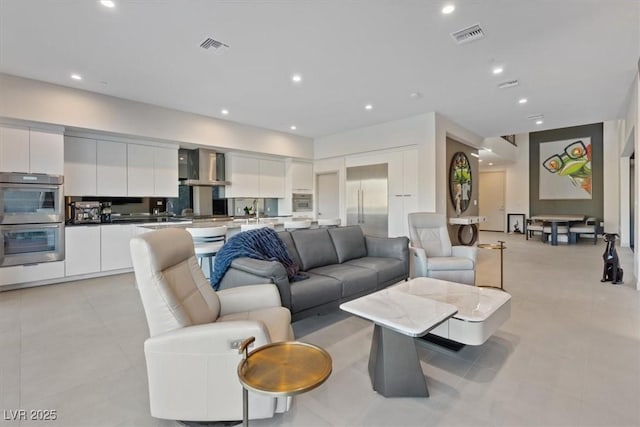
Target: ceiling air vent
x: 535, y: 117
x: 217, y: 46
x: 510, y: 83
x: 467, y: 35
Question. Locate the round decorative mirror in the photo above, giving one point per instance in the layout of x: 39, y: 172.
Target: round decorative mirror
x: 460, y: 182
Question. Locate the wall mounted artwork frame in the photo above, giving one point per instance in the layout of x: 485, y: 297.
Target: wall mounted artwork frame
x: 565, y: 169
x: 460, y: 182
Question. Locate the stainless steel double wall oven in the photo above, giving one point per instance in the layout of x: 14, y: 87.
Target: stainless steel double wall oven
x: 31, y: 218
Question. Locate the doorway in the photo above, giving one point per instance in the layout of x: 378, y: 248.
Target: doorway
x: 492, y: 200
x: 632, y: 200
x: 328, y: 203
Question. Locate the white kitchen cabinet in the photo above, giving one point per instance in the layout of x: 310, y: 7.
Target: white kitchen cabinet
x: 46, y: 152
x: 301, y: 177
x: 79, y: 166
x: 114, y: 246
x: 31, y: 273
x: 403, y: 186
x: 31, y: 151
x: 244, y: 175
x: 271, y: 178
x: 165, y: 169
x: 82, y: 250
x: 140, y: 175
x: 111, y: 169
x: 14, y: 149
x: 152, y: 171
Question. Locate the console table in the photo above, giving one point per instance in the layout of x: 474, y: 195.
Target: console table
x: 467, y: 225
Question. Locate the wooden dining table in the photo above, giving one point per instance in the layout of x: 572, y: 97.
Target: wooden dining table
x: 555, y: 219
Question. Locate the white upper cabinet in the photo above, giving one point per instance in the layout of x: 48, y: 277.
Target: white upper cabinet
x: 165, y: 172
x: 271, y: 178
x: 244, y: 175
x: 111, y: 169
x: 79, y: 166
x: 301, y: 177
x: 14, y: 149
x: 46, y: 151
x: 31, y: 151
x: 140, y: 170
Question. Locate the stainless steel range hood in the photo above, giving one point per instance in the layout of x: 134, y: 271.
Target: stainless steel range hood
x: 201, y: 167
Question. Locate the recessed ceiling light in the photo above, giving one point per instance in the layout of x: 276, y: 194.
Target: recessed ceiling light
x: 293, y: 127
x: 224, y: 111
x: 368, y: 107
x: 448, y: 9
x: 490, y: 164
x: 76, y: 76
x: 539, y: 122
x: 415, y: 95
x: 480, y: 160
x: 475, y: 154
x: 498, y: 70
x: 107, y: 3
x: 296, y: 78
x: 522, y: 101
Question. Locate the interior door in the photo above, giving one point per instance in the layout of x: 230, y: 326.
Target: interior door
x: 328, y: 196
x: 491, y: 200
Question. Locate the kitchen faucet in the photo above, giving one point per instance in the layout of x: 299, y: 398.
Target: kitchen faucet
x: 255, y: 209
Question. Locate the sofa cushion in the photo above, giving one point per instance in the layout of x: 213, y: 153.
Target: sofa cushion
x: 314, y: 291
x: 355, y: 280
x: 449, y: 263
x: 285, y: 236
x: 315, y: 248
x: 349, y: 242
x: 388, y: 269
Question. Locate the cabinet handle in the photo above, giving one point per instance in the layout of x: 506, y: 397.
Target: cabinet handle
x: 398, y: 195
x: 407, y: 195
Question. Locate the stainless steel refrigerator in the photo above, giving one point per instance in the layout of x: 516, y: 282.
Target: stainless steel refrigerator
x: 367, y: 201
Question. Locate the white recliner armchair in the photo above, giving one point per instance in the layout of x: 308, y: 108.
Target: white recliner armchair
x: 432, y: 254
x: 192, y: 354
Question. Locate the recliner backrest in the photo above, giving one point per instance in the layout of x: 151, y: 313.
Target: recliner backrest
x: 429, y: 231
x: 174, y: 291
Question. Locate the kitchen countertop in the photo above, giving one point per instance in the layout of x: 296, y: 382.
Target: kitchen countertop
x: 231, y: 224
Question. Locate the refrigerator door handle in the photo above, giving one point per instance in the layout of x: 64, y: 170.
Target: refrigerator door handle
x: 362, y: 204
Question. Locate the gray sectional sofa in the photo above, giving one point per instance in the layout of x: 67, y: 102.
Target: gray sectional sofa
x: 342, y: 264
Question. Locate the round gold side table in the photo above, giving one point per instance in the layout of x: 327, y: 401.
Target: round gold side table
x: 495, y: 246
x: 281, y: 369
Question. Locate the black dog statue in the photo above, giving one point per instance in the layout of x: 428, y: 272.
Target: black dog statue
x: 612, y: 271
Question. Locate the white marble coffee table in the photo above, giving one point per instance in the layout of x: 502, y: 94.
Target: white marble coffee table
x: 481, y: 311
x: 394, y: 366
x: 462, y: 313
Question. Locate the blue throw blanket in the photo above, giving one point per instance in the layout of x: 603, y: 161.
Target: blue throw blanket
x: 261, y: 243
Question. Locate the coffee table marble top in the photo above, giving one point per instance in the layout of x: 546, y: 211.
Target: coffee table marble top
x: 400, y: 311
x: 474, y: 304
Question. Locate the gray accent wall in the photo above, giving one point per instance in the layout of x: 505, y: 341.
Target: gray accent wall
x: 593, y: 207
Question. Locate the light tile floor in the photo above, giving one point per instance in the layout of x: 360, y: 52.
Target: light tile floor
x: 569, y: 355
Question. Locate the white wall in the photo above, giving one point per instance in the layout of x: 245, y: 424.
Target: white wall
x: 611, y: 176
x: 40, y: 102
x: 517, y: 178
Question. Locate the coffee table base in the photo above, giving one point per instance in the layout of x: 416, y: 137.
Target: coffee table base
x: 394, y: 366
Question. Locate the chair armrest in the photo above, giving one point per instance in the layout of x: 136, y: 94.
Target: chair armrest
x: 249, y: 271
x: 388, y: 247
x: 465, y: 252
x: 210, y: 338
x: 248, y: 298
x: 418, y: 262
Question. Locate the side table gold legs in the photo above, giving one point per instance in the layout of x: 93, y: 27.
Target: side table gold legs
x: 501, y: 247
x: 244, y: 347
